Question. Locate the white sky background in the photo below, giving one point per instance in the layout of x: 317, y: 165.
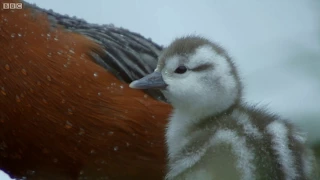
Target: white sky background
x: 276, y: 44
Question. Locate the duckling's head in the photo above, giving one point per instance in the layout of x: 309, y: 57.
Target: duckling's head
x: 196, y: 76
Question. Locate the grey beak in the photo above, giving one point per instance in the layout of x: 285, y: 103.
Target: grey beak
x: 150, y: 81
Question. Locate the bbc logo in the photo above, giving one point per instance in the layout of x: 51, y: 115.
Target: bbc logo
x: 12, y: 5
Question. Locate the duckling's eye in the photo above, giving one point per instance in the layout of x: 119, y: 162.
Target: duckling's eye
x: 181, y: 70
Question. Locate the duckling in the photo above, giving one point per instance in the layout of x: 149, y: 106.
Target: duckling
x: 212, y: 133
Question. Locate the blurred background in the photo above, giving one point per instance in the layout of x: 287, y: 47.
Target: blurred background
x: 276, y: 44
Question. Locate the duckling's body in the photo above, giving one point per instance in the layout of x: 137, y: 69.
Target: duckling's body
x: 243, y: 143
x: 212, y: 134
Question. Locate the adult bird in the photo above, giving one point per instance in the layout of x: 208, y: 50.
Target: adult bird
x: 66, y: 111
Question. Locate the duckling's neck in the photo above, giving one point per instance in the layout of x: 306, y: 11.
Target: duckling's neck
x: 183, y: 122
x: 197, y: 112
x: 194, y: 116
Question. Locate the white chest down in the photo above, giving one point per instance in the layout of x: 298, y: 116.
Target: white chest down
x: 237, y: 147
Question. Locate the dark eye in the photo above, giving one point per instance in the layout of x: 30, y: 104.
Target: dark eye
x: 181, y: 70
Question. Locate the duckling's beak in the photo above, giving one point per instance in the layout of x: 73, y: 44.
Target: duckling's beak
x: 150, y: 81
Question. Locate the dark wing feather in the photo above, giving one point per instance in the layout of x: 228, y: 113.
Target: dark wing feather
x: 127, y: 55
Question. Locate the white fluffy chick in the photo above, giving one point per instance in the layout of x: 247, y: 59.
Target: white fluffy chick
x: 212, y: 134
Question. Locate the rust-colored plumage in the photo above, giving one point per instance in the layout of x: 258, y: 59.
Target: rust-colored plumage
x: 64, y: 114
